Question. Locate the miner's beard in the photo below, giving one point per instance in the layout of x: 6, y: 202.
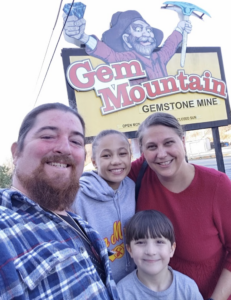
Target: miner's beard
x: 141, y: 49
x: 52, y: 193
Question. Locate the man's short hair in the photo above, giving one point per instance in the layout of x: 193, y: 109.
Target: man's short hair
x: 149, y: 224
x: 30, y: 119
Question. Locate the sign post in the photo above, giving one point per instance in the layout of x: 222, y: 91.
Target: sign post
x: 217, y: 146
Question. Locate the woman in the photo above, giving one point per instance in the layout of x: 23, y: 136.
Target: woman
x: 196, y: 199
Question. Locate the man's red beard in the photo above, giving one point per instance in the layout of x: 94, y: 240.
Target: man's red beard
x: 51, y: 193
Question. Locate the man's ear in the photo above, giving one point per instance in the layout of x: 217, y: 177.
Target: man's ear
x: 85, y: 153
x: 125, y: 38
x: 14, y: 152
x: 94, y: 163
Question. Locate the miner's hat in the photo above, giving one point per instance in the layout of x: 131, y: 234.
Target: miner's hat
x: 119, y: 23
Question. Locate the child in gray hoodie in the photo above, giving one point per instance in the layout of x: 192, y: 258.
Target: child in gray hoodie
x: 106, y: 198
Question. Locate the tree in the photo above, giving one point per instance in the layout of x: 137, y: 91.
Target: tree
x: 5, y: 176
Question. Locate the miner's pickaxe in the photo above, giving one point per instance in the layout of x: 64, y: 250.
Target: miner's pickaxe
x: 184, y: 9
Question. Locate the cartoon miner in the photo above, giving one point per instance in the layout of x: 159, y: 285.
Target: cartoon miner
x: 130, y: 38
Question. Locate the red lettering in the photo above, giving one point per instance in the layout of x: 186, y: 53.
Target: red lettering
x: 112, y: 102
x: 104, y: 74
x: 221, y: 84
x: 75, y: 81
x: 181, y: 77
x: 169, y: 85
x: 195, y: 83
x: 132, y: 69
x: 169, y: 81
x: 150, y: 93
x: 137, y: 94
x: 207, y: 81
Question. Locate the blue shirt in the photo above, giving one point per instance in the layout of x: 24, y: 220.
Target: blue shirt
x: 41, y: 257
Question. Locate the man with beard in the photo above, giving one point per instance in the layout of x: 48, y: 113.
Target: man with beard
x: 47, y: 252
x: 130, y: 38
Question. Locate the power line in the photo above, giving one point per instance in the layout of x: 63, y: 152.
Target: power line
x: 54, y: 52
x: 49, y: 41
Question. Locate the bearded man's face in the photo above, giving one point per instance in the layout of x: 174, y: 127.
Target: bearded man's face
x: 51, y: 162
x: 51, y: 193
x: 141, y: 38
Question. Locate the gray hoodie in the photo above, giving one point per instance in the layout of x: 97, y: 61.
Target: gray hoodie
x: 108, y: 212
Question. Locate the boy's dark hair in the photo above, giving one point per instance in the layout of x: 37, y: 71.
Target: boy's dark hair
x: 149, y: 224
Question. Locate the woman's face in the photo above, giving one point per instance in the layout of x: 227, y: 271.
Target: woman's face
x: 164, y: 151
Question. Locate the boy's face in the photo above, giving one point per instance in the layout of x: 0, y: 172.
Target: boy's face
x: 151, y: 256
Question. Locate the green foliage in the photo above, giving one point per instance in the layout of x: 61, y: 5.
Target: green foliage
x: 5, y: 176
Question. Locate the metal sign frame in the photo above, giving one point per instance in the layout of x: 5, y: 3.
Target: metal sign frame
x: 67, y: 52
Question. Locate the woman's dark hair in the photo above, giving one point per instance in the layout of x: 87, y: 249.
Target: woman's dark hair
x: 159, y: 118
x: 149, y: 224
x: 102, y: 134
x: 30, y: 119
